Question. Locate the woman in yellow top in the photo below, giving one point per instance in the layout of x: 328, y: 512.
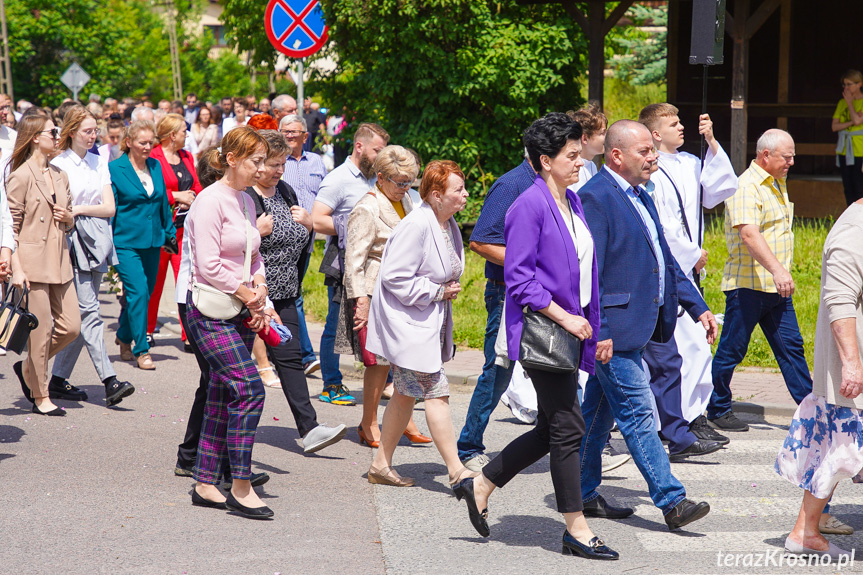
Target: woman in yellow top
x: 848, y: 122
x: 370, y: 225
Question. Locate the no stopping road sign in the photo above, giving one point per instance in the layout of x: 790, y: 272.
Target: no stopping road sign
x: 296, y: 28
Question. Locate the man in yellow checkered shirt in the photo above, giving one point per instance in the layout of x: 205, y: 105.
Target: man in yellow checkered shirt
x: 757, y: 283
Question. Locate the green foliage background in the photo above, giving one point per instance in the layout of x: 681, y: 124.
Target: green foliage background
x: 122, y: 44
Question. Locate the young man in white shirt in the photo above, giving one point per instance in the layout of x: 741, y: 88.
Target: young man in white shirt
x: 681, y: 369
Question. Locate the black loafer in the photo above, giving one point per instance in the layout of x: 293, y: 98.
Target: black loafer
x: 685, y: 513
x: 116, y: 390
x: 17, y: 368
x: 257, y: 479
x: 202, y: 502
x: 62, y: 389
x: 596, y: 549
x: 56, y: 412
x: 464, y: 490
x: 599, y: 507
x: 698, y: 448
x: 702, y: 430
x: 251, y: 512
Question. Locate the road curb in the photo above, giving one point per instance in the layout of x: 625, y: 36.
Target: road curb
x: 779, y: 409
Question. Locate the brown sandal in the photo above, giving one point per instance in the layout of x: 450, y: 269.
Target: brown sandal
x: 382, y: 477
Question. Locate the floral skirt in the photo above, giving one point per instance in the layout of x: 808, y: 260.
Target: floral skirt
x: 420, y: 385
x: 824, y: 445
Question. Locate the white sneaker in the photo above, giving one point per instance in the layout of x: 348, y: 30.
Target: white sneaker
x: 611, y: 459
x: 323, y: 436
x: 477, y: 462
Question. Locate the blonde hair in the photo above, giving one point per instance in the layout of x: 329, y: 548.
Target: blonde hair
x: 394, y: 161
x: 650, y: 115
x: 854, y: 75
x: 72, y: 123
x: 168, y: 125
x: 133, y: 130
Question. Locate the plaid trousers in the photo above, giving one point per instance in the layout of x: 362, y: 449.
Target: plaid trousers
x: 235, y: 396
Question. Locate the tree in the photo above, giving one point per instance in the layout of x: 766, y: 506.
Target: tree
x: 644, y: 60
x: 122, y: 44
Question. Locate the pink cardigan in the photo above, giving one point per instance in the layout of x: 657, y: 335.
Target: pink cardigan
x: 215, y: 230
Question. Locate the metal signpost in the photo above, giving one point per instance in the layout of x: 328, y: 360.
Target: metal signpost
x: 74, y: 78
x: 297, y: 29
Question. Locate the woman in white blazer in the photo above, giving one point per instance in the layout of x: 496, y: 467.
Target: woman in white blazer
x: 411, y: 315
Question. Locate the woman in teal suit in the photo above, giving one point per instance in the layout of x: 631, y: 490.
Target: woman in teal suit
x: 141, y: 227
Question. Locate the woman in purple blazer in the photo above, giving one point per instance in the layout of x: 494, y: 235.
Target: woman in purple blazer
x: 411, y: 317
x: 550, y: 266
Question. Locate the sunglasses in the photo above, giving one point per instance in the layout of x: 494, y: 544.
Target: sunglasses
x: 400, y: 185
x: 55, y: 132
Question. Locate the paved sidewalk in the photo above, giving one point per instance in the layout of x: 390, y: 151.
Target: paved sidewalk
x: 755, y: 390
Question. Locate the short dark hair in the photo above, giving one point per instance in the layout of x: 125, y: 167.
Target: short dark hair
x: 548, y: 136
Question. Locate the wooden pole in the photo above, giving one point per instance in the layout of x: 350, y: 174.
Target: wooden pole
x: 740, y: 71
x: 784, y: 59
x: 7, y: 68
x: 596, y: 52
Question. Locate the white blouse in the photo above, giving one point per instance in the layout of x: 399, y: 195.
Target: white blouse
x: 584, y: 248
x: 87, y: 176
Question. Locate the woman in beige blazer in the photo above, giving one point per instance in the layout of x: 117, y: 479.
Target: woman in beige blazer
x: 370, y: 225
x: 41, y: 207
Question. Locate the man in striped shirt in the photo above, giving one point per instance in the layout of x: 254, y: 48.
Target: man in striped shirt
x: 304, y: 172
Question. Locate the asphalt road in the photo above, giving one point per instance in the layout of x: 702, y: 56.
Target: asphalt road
x: 94, y: 493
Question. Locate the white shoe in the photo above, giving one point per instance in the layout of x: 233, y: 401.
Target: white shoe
x: 323, y: 436
x: 477, y: 462
x: 794, y: 548
x: 269, y: 379
x: 611, y: 459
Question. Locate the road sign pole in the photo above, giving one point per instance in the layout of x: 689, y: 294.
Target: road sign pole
x: 300, y: 95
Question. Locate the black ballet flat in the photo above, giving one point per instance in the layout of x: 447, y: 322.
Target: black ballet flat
x: 251, y: 512
x: 18, y: 369
x: 596, y: 549
x: 464, y: 489
x: 56, y: 412
x: 202, y: 502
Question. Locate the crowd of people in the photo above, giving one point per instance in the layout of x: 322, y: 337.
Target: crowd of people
x: 231, y: 196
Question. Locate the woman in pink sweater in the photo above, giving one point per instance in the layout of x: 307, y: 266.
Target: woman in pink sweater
x: 220, y: 229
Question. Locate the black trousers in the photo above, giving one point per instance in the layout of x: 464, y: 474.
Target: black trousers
x: 852, y: 179
x: 558, y: 431
x: 187, y: 453
x: 288, y: 360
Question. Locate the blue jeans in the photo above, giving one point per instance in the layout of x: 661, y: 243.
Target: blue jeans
x: 744, y: 309
x: 330, y: 372
x: 491, y: 383
x: 305, y: 343
x: 621, y: 390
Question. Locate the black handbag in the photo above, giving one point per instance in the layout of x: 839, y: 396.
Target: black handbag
x: 546, y: 346
x: 16, y: 321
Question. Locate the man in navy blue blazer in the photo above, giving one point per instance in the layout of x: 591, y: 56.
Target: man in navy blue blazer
x: 640, y: 286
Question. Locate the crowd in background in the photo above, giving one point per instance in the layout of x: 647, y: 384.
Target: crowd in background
x: 230, y: 196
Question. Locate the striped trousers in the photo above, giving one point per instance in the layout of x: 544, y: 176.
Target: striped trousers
x: 235, y: 396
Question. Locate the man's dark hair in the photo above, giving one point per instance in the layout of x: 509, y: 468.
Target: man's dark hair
x: 192, y: 95
x: 548, y: 136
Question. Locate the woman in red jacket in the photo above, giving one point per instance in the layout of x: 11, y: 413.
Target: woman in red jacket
x: 181, y: 182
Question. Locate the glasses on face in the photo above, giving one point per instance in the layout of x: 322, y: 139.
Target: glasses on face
x: 293, y: 133
x: 400, y: 185
x: 55, y: 132
x: 91, y: 132
x: 7, y: 107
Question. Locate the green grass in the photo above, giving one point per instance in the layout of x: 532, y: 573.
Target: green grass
x: 470, y: 314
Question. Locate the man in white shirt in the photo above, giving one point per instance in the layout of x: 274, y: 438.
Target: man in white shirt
x: 681, y: 368
x: 339, y: 192
x: 7, y: 135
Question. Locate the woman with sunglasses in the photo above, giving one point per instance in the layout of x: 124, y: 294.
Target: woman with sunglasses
x: 92, y: 248
x: 370, y: 225
x: 41, y: 207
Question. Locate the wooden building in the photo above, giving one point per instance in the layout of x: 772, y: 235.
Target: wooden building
x: 783, y: 60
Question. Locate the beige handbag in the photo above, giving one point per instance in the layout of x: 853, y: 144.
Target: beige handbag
x: 213, y: 302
